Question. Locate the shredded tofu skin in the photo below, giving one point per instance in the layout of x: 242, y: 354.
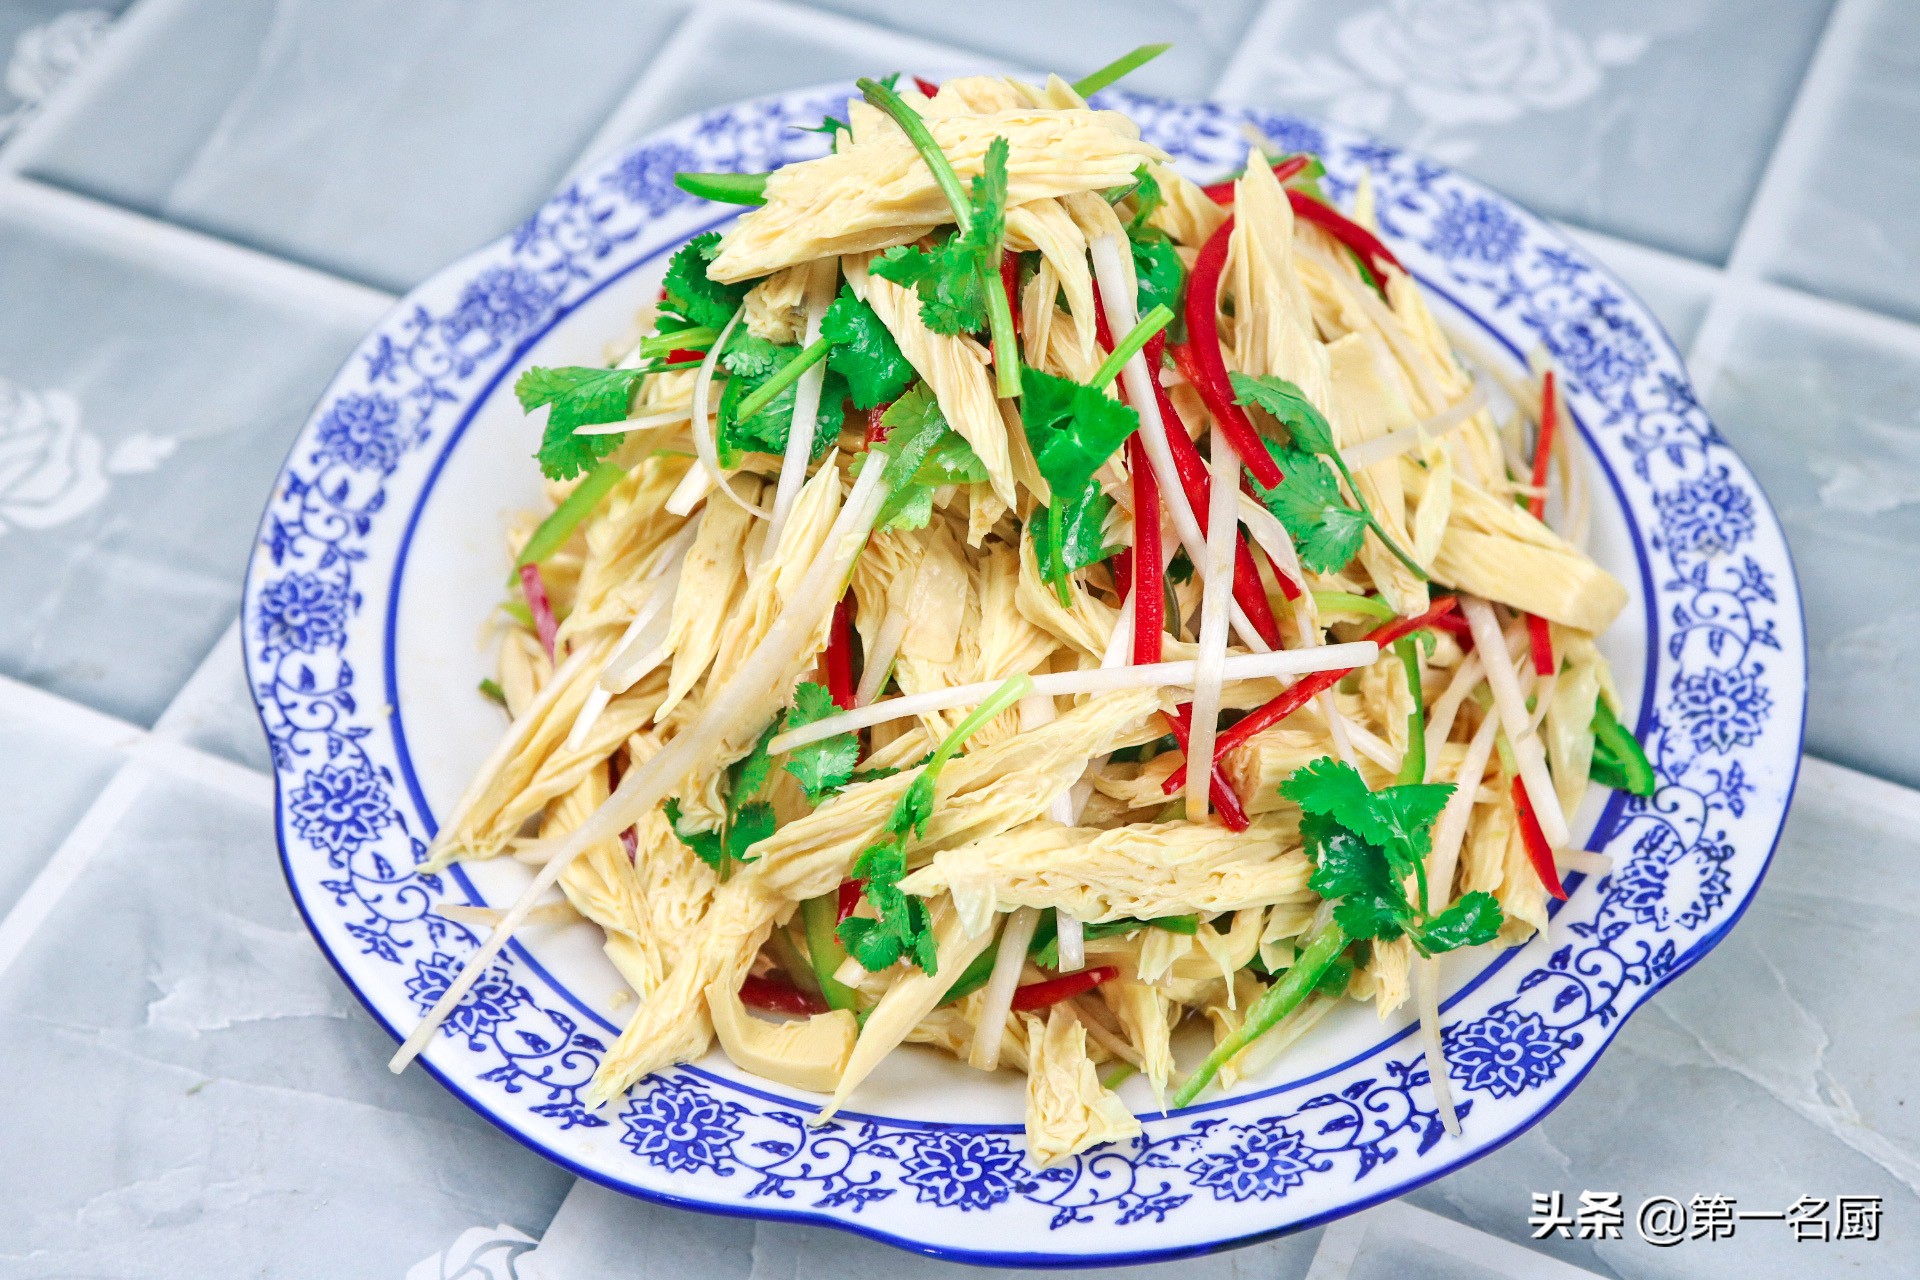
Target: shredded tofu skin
x: 813, y: 903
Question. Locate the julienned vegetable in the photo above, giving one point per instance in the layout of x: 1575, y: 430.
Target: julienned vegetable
x: 893, y: 765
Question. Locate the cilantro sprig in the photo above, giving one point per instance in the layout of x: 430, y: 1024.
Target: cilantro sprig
x: 901, y: 926
x: 1364, y: 845
x: 864, y: 352
x: 920, y: 452
x: 827, y: 765
x: 748, y: 820
x: 1308, y: 501
x: 958, y: 281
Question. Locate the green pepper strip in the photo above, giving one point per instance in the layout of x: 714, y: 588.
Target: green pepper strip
x: 1006, y: 352
x: 491, y: 688
x: 1413, y: 765
x: 565, y: 518
x: 788, y: 374
x: 1624, y: 751
x: 1280, y: 999
x: 726, y: 188
x: 1348, y: 602
x: 824, y: 949
x: 1088, y: 85
x: 1137, y: 337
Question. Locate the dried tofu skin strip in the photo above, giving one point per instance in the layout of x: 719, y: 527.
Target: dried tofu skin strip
x: 875, y: 191
x: 1362, y: 406
x: 630, y: 526
x: 1186, y: 213
x: 776, y: 308
x: 1495, y: 549
x: 602, y: 885
x: 713, y: 577
x: 1068, y: 1110
x: 1145, y: 870
x: 1045, y: 226
x: 1147, y: 1022
x: 810, y: 1053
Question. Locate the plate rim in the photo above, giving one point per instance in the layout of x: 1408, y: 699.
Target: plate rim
x: 1549, y: 1098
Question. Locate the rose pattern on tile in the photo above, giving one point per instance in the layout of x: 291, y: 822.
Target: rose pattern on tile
x: 52, y: 470
x: 44, y: 56
x: 1454, y: 64
x: 1716, y: 612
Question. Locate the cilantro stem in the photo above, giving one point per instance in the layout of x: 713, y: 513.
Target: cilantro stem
x: 1348, y: 602
x: 1280, y: 999
x: 824, y: 949
x: 491, y: 688
x: 1413, y: 566
x: 1056, y: 533
x: 1413, y: 765
x: 1124, y: 350
x: 883, y: 97
x: 1117, y: 1075
x: 678, y: 340
x: 553, y: 532
x: 1006, y: 345
x: 1009, y: 692
x: 724, y: 188
x: 1127, y: 63
x: 517, y: 609
x: 788, y: 374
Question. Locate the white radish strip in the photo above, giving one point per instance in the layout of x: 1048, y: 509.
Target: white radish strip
x: 704, y: 428
x: 1446, y: 708
x: 821, y: 277
x: 1223, y: 526
x: 666, y: 418
x: 1156, y: 675
x: 693, y: 486
x: 1395, y: 443
x: 1511, y: 704
x: 991, y: 1027
x: 1426, y: 995
x: 732, y: 710
x: 1583, y: 861
x: 623, y: 671
x: 886, y: 647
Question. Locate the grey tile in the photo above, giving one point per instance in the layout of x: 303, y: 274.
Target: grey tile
x: 1829, y: 423
x: 219, y: 1102
x: 1075, y: 36
x: 371, y: 139
x: 1650, y: 119
x: 1778, y: 1068
x: 52, y: 776
x: 144, y: 414
x: 43, y: 41
x: 1852, y: 234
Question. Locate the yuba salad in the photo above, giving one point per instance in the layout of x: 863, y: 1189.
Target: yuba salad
x: 985, y: 473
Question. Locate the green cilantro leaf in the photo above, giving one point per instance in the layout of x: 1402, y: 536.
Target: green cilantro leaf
x: 690, y: 294
x: 748, y: 775
x: 826, y: 765
x: 708, y: 846
x: 1309, y: 503
x: 752, y: 823
x: 952, y: 277
x: 1147, y: 197
x: 917, y: 438
x: 750, y: 356
x: 1473, y: 920
x: 1071, y: 427
x: 1083, y: 517
x: 864, y: 352
x: 576, y: 398
x: 1161, y: 274
x: 752, y: 363
x: 1289, y: 404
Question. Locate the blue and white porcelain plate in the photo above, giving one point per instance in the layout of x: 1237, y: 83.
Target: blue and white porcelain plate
x: 380, y: 558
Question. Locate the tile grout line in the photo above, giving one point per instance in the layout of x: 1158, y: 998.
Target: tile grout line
x: 69, y: 860
x: 1766, y: 218
x: 273, y: 278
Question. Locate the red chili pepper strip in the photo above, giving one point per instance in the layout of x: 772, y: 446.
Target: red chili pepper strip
x: 876, y: 429
x: 1203, y: 337
x: 1348, y: 232
x: 1540, y: 644
x: 1197, y: 484
x: 1225, y: 799
x: 534, y: 588
x: 681, y: 354
x: 1041, y: 995
x: 850, y: 891
x: 839, y: 656
x: 1222, y: 192
x: 1010, y: 281
x: 1148, y: 583
x: 1539, y: 852
x: 778, y: 995
x: 630, y: 841
x: 927, y: 87
x: 1308, y: 687
x: 1457, y: 627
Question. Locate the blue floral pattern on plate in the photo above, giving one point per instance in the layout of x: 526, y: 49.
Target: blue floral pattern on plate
x: 1725, y: 689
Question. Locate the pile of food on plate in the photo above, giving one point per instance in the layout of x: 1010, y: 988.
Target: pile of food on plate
x: 983, y: 476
